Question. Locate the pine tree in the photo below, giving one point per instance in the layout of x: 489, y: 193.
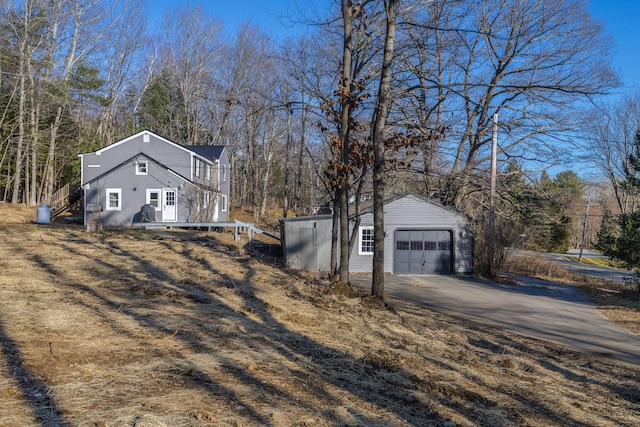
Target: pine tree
x: 619, y: 237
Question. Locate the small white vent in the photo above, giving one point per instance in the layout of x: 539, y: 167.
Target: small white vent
x: 145, y: 137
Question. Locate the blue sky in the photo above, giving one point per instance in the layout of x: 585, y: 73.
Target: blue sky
x: 267, y: 14
x: 621, y: 19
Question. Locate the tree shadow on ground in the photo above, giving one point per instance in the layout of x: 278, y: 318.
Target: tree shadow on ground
x: 36, y: 393
x: 251, y: 325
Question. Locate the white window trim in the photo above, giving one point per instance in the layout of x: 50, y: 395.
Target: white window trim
x: 223, y: 203
x: 148, y: 200
x: 118, y: 191
x: 146, y: 167
x: 197, y: 167
x: 360, y: 251
x: 224, y: 173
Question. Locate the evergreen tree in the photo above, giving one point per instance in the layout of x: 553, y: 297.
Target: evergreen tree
x: 540, y: 209
x: 619, y: 237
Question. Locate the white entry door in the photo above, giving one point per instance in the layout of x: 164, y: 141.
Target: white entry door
x: 169, y: 205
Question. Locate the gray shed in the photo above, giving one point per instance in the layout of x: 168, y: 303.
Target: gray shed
x: 422, y: 237
x: 306, y: 242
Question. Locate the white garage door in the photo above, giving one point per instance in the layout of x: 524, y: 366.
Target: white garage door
x: 423, y: 252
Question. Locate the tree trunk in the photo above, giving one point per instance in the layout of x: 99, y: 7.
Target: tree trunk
x: 70, y: 61
x: 335, y: 234
x: 298, y: 192
x: 381, y: 113
x: 17, y: 177
x: 344, y: 235
x: 345, y: 102
x: 285, y: 200
x: 36, y: 102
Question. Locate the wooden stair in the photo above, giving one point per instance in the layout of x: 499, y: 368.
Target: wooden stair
x: 64, y: 198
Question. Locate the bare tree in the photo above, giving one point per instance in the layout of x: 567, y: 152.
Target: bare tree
x: 70, y: 24
x: 533, y: 62
x: 119, y: 49
x: 239, y: 99
x: 383, y: 106
x: 24, y: 31
x: 609, y: 141
x: 341, y: 200
x: 424, y: 75
x: 192, y: 44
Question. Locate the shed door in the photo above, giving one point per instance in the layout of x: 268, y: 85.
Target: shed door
x: 169, y: 205
x: 423, y: 252
x: 308, y: 248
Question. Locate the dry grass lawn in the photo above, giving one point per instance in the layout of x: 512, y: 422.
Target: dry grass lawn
x: 136, y: 328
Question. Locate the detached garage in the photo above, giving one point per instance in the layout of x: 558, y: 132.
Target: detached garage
x: 421, y: 237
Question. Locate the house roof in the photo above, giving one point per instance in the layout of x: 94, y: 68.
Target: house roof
x: 207, y: 152
x: 210, y: 152
x: 124, y: 141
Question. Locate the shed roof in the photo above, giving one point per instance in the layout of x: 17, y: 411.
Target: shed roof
x: 307, y: 218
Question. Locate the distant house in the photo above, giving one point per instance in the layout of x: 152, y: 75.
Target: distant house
x: 181, y: 183
x: 421, y: 237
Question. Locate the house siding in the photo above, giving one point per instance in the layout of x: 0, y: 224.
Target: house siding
x: 413, y: 213
x: 133, y: 200
x: 177, y: 158
x: 169, y: 165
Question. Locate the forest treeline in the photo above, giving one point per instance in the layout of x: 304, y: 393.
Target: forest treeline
x: 77, y: 75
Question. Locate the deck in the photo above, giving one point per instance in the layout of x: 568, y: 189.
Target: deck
x: 239, y: 227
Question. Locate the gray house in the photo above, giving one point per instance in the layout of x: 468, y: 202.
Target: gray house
x: 182, y: 183
x: 422, y: 237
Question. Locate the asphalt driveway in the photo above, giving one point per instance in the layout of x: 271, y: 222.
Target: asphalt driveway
x: 570, y: 262
x: 550, y: 311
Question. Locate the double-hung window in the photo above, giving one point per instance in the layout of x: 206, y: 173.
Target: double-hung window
x: 114, y: 199
x: 223, y: 203
x: 153, y: 198
x: 365, y: 241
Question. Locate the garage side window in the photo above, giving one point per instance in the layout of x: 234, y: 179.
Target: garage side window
x: 365, y: 246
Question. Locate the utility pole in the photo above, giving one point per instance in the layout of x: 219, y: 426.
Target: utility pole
x: 492, y: 198
x: 584, y: 229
